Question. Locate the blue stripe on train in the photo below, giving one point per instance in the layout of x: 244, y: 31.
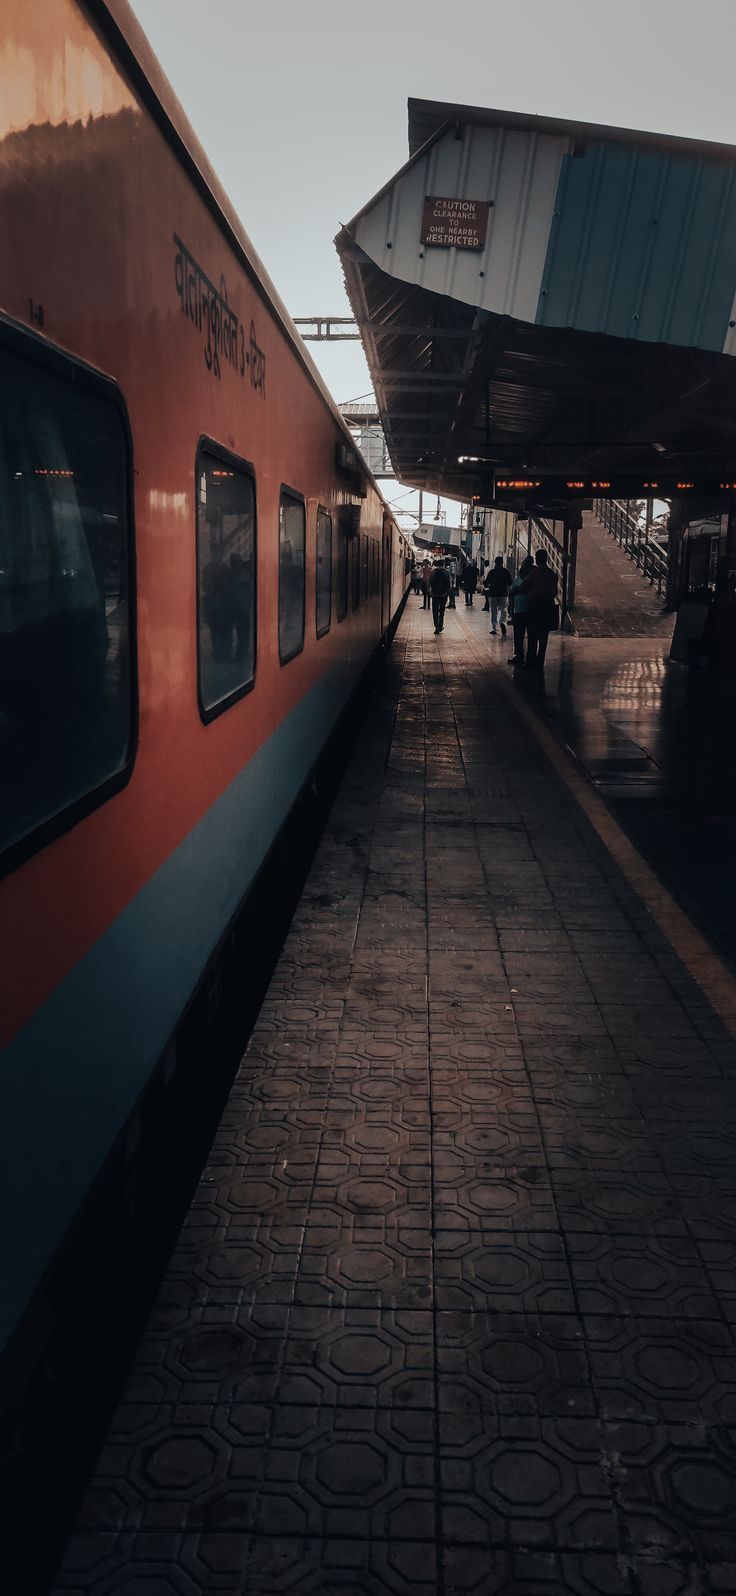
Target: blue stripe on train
x: 72, y: 1076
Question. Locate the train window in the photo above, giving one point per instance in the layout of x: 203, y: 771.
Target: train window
x: 342, y: 575
x: 323, y: 596
x: 292, y: 544
x: 226, y: 552
x: 66, y: 688
x: 364, y: 571
x: 355, y: 571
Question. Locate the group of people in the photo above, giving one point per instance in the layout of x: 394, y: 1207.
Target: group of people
x: 445, y: 579
x: 529, y: 599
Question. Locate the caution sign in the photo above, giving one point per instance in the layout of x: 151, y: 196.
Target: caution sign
x: 454, y: 223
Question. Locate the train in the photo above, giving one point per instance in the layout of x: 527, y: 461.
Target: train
x: 196, y: 570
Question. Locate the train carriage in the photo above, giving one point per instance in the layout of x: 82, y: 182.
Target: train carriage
x: 196, y: 571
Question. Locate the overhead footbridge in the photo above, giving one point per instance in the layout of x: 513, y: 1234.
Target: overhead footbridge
x: 550, y: 308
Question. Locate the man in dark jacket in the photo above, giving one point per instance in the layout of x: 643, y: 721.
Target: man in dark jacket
x: 469, y: 581
x: 439, y: 588
x: 497, y: 584
x: 540, y: 587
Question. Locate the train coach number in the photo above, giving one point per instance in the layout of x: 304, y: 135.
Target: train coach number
x: 207, y: 308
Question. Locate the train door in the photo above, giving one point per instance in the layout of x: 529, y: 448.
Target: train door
x: 386, y: 562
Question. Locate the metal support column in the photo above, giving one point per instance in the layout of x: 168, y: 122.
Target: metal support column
x: 565, y: 569
x: 573, y: 522
x: 676, y: 525
x: 572, y: 570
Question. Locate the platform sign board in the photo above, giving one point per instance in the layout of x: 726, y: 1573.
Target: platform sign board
x: 454, y: 223
x: 541, y: 488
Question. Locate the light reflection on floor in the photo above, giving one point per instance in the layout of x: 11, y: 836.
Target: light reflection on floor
x: 657, y: 741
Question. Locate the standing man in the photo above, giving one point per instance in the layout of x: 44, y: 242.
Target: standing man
x: 541, y: 590
x: 439, y: 587
x: 498, y: 583
x: 451, y: 568
x: 426, y: 573
x: 470, y: 581
x: 519, y: 608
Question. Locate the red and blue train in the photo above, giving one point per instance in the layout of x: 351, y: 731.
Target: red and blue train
x: 195, y: 571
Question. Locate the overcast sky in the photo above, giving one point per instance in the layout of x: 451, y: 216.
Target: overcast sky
x: 301, y: 104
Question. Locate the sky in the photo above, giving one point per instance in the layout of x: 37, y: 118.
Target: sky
x: 301, y: 105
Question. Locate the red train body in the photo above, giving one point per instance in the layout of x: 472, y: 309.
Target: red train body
x: 138, y: 323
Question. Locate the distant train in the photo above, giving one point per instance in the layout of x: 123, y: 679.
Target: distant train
x: 195, y: 571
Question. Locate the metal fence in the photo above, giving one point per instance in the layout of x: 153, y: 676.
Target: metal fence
x: 632, y: 536
x: 545, y: 536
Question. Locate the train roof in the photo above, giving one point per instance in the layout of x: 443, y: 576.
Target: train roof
x: 124, y: 33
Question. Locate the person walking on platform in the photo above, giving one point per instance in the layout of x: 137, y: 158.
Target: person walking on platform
x: 498, y: 583
x: 519, y: 606
x: 451, y: 568
x: 540, y: 587
x: 439, y: 587
x: 470, y: 581
x: 426, y: 573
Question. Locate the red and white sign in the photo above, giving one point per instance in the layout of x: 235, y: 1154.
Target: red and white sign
x: 454, y: 223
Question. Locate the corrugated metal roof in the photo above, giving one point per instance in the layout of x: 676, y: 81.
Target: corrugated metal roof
x: 359, y: 408
x: 427, y: 117
x: 589, y: 329
x: 517, y: 173
x: 643, y: 245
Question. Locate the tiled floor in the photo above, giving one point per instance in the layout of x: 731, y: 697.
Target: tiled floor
x: 454, y: 1309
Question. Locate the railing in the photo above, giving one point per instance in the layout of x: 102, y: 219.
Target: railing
x: 544, y: 536
x: 632, y: 536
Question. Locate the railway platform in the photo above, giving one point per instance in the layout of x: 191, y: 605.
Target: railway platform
x: 454, y: 1307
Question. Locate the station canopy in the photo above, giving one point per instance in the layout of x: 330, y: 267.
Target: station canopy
x: 542, y: 299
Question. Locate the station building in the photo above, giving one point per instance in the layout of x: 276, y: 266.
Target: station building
x: 548, y: 310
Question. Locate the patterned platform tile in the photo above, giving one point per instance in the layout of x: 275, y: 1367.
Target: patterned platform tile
x: 453, y: 1312
x: 473, y: 1570
x: 307, y: 1566
x: 352, y: 1261
x: 512, y: 1363
x: 667, y: 1370
x: 360, y: 1357
x: 154, y: 1563
x: 349, y: 1472
x: 676, y: 1487
x: 574, y: 1140
x: 536, y: 1482
x: 508, y: 1271
x: 510, y: 1199
x: 655, y: 1276
x: 622, y: 1201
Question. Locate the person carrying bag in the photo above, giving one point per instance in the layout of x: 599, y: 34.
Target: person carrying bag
x: 439, y: 589
x: 519, y: 609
